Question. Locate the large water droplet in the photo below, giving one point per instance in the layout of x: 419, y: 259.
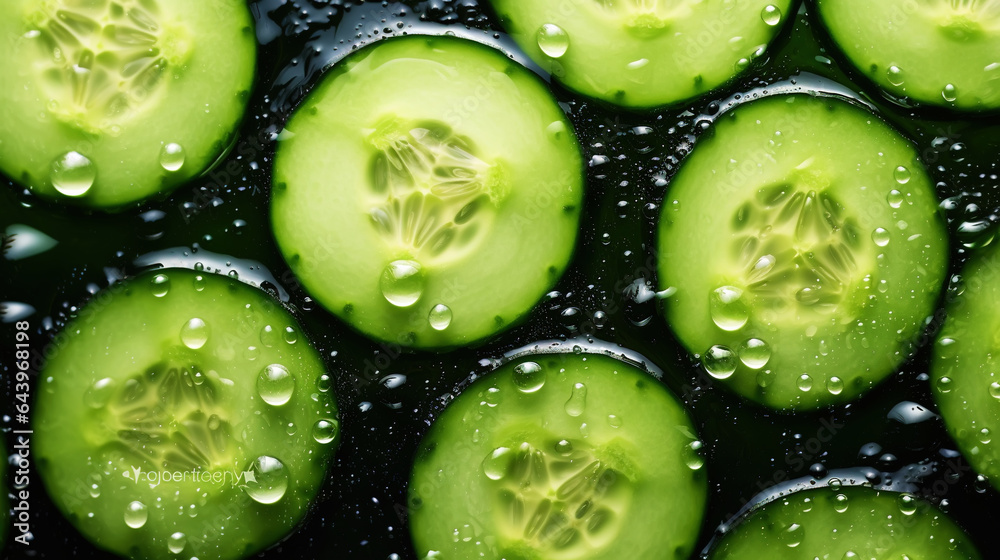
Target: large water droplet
x: 949, y: 93
x: 172, y: 157
x: 495, y: 464
x: 907, y: 504
x: 895, y: 75
x: 720, y: 362
x: 835, y: 385
x: 194, y: 333
x: 267, y: 480
x: 325, y: 431
x: 176, y: 542
x: 902, y: 175
x: 402, y: 283
x: 692, y: 455
x: 771, y: 15
x: 73, y: 174
x: 160, y: 285
x: 792, y: 536
x: 136, y: 514
x: 275, y: 384
x: 881, y: 237
x: 840, y: 503
x: 728, y: 309
x: 577, y: 400
x: 529, y: 377
x: 440, y: 317
x: 553, y: 40
x: 895, y: 198
x: 995, y: 390
x: 755, y: 353
x: 804, y: 383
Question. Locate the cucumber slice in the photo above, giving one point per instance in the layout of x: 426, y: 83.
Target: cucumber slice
x: 108, y: 102
x: 643, y: 53
x: 965, y: 370
x: 934, y: 52
x: 184, y: 414
x: 561, y: 457
x: 850, y: 523
x: 804, y: 265
x: 431, y: 215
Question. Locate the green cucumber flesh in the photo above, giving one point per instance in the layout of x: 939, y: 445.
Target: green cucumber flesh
x: 643, y: 53
x: 849, y: 523
x: 559, y: 457
x: 965, y: 371
x: 804, y: 263
x: 431, y: 215
x: 162, y: 394
x: 106, y: 103
x: 937, y: 52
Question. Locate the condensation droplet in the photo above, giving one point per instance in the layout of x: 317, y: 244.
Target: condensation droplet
x: 907, y: 504
x: 495, y: 464
x: 692, y: 455
x: 268, y: 480
x: 614, y: 421
x: 881, y: 237
x: 529, y: 377
x: 194, y: 333
x: 835, y: 385
x: 577, y: 400
x: 944, y: 385
x: 99, y: 394
x: 755, y: 353
x: 902, y: 175
x: 719, y: 361
x: 995, y: 390
x: 840, y: 503
x: 136, y: 514
x: 895, y: 75
x: 176, y: 542
x: 728, y: 309
x: 792, y: 536
x: 439, y: 317
x: 275, y: 384
x: 159, y: 285
x: 402, y: 283
x: 325, y: 430
x: 894, y: 198
x: 949, y: 93
x: 552, y: 40
x: 804, y: 383
x: 73, y: 174
x: 172, y: 157
x: 771, y: 15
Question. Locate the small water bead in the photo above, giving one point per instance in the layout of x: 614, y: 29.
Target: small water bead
x: 402, y: 283
x: 765, y: 377
x: 73, y: 174
x: 850, y: 555
x: 136, y: 514
x: 614, y: 421
x: 275, y: 384
x: 99, y: 394
x: 944, y: 385
x: 325, y: 430
x: 290, y: 336
x: 835, y: 385
x: 160, y: 285
x: 902, y: 175
x: 268, y: 336
x: 270, y: 480
x: 564, y: 447
x: 840, y: 503
x: 577, y: 400
x: 728, y: 309
x: 895, y: 75
x: 324, y: 383
x: 552, y: 40
x: 529, y: 377
x: 439, y: 317
x: 907, y: 504
x: 771, y: 15
x: 177, y: 542
x: 194, y: 333
x: 949, y: 93
x: 995, y: 390
x: 172, y: 157
x: 719, y: 361
x: 881, y: 237
x: 495, y: 464
x: 804, y: 383
x: 692, y: 455
x: 985, y: 436
x: 895, y: 198
x: 792, y: 536
x: 755, y: 353
x: 199, y: 283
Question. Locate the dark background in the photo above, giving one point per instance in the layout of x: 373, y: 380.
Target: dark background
x: 361, y: 511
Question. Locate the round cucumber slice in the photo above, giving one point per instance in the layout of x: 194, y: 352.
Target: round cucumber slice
x: 643, y: 53
x: 435, y: 214
x: 108, y: 102
x: 184, y: 415
x: 965, y: 370
x: 850, y: 523
x: 562, y: 457
x: 934, y: 52
x: 804, y: 265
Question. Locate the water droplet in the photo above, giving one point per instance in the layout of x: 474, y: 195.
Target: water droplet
x: 765, y: 377
x: 944, y: 385
x: 402, y: 283
x: 73, y: 174
x: 564, y: 447
x: 324, y: 383
x: 439, y: 317
x: 834, y: 484
x: 995, y: 390
x: 172, y: 157
x: 771, y: 15
x: 199, y: 283
x: 850, y: 555
x: 194, y: 333
x: 177, y: 542
x: 325, y: 431
x: 907, y: 504
x: 577, y: 400
x: 840, y: 503
x: 136, y: 514
x: 792, y: 536
x: 729, y: 311
x: 275, y: 384
x: 160, y: 285
x: 804, y: 383
x: 614, y: 421
x: 835, y: 385
x: 754, y: 353
x: 553, y: 40
x: 529, y: 377
x: 949, y: 93
x: 895, y: 198
x: 895, y: 75
x: 881, y: 237
x: 268, y: 336
x: 692, y: 455
x: 269, y: 481
x: 99, y: 394
x: 720, y: 362
x: 985, y: 436
x: 902, y: 175
x: 495, y: 464
x: 290, y: 336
